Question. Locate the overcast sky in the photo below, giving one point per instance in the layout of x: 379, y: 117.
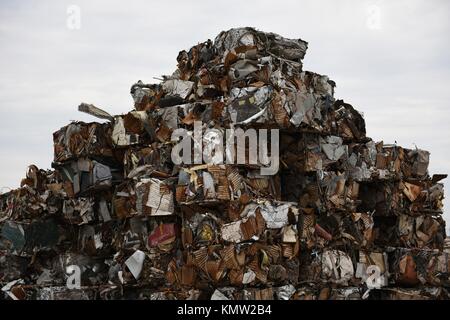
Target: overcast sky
x: 390, y: 59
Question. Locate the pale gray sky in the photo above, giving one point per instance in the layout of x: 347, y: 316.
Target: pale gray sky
x: 394, y: 68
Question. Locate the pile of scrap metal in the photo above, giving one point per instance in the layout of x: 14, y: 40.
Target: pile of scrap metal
x: 344, y: 217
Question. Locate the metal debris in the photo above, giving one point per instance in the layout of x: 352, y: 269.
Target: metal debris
x: 344, y: 217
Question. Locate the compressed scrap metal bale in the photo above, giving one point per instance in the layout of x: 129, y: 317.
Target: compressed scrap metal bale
x: 140, y: 226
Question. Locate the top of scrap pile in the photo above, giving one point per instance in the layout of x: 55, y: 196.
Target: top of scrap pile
x: 238, y: 52
x: 244, y: 76
x: 270, y: 43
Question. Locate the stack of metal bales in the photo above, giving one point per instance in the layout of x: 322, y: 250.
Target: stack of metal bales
x: 239, y: 176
